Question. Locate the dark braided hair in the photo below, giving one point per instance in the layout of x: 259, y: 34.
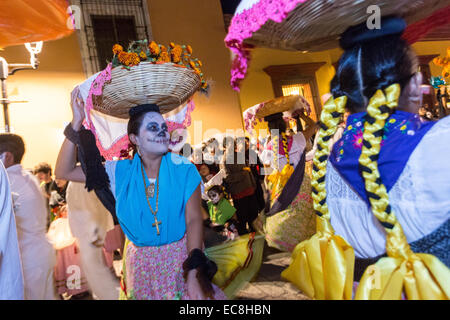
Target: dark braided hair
x: 372, y: 60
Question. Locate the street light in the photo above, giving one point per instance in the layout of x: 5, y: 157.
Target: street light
x: 6, y: 70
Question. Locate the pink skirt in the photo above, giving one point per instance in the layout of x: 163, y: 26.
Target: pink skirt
x: 156, y: 273
x: 69, y: 275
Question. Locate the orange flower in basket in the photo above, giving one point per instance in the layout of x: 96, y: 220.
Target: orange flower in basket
x: 163, y: 48
x: 154, y: 48
x: 192, y: 64
x: 164, y: 57
x: 176, y: 54
x: 117, y: 48
x: 172, y: 45
x: 199, y: 63
x: 189, y: 49
x: 142, y: 55
x: 134, y: 59
x: 123, y: 57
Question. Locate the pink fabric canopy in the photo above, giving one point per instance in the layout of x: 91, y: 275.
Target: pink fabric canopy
x: 252, y: 15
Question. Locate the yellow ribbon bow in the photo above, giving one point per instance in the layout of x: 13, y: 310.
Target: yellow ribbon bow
x: 322, y: 266
x: 418, y: 275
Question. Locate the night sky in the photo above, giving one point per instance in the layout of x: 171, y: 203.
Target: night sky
x: 229, y: 6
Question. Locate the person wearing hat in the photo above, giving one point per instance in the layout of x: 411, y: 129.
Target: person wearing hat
x: 157, y: 193
x: 385, y: 192
x: 288, y: 217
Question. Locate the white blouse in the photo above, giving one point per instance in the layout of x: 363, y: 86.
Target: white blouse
x: 295, y: 153
x: 420, y: 199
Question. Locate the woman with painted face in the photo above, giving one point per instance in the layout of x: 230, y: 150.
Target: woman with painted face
x: 157, y: 197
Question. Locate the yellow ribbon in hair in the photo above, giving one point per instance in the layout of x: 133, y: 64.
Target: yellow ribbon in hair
x: 420, y: 276
x: 322, y: 266
x: 277, y: 178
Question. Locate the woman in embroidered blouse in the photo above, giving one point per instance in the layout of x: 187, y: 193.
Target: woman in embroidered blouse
x: 162, y: 227
x: 288, y: 227
x: 412, y: 161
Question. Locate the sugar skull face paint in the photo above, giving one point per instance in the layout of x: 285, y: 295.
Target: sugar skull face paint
x: 214, y: 196
x: 153, y: 135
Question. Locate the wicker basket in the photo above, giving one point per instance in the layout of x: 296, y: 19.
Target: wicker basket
x: 280, y: 104
x: 166, y: 85
x: 316, y: 25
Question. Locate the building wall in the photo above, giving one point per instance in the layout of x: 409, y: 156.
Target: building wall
x: 42, y: 119
x: 257, y: 86
x: 199, y: 23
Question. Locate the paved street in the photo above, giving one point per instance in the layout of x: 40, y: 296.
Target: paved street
x: 268, y: 285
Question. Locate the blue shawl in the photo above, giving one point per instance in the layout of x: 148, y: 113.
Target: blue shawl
x: 178, y: 179
x: 402, y: 133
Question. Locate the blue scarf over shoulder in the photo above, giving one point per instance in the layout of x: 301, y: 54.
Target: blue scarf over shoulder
x: 402, y: 133
x: 178, y: 179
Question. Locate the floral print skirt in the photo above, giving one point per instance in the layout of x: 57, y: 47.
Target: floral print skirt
x: 289, y: 227
x: 156, y: 273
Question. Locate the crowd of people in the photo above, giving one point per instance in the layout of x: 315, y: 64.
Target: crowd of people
x: 48, y: 252
x: 370, y: 155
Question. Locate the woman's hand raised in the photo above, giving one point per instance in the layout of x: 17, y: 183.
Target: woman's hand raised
x: 77, y: 105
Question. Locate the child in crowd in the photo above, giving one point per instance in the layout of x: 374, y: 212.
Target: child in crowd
x: 221, y: 212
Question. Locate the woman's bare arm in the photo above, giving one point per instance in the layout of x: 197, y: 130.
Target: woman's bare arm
x: 194, y: 221
x: 66, y: 167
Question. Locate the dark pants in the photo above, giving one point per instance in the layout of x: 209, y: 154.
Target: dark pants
x: 246, y: 212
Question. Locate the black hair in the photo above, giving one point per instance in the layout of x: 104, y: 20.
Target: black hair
x: 137, y: 114
x: 276, y: 122
x: 216, y: 188
x: 372, y: 60
x: 12, y: 143
x: 43, y: 167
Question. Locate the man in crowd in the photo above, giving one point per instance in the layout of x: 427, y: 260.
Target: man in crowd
x: 37, y: 254
x: 11, y: 279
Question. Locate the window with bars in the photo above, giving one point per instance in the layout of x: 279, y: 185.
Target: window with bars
x: 107, y: 22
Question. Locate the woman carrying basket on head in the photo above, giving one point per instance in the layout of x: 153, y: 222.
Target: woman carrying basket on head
x: 288, y: 217
x: 157, y: 193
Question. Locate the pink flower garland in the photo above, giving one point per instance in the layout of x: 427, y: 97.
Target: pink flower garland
x: 243, y: 26
x: 97, y: 89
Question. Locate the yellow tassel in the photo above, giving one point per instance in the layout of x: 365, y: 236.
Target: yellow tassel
x: 322, y: 267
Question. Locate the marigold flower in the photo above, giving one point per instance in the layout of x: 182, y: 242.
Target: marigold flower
x: 142, y: 55
x: 154, y: 48
x: 134, y: 59
x: 163, y: 48
x: 189, y: 49
x: 164, y: 57
x: 117, y: 48
x: 123, y: 56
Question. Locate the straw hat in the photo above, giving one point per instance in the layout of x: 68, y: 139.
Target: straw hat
x: 150, y: 74
x: 281, y: 104
x: 316, y: 25
x: 289, y: 106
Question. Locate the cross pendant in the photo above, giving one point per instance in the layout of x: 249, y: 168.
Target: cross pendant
x: 156, y: 224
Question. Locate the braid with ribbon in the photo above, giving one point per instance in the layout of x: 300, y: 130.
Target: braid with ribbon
x: 324, y: 253
x: 285, y: 146
x: 330, y: 118
x: 420, y: 276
